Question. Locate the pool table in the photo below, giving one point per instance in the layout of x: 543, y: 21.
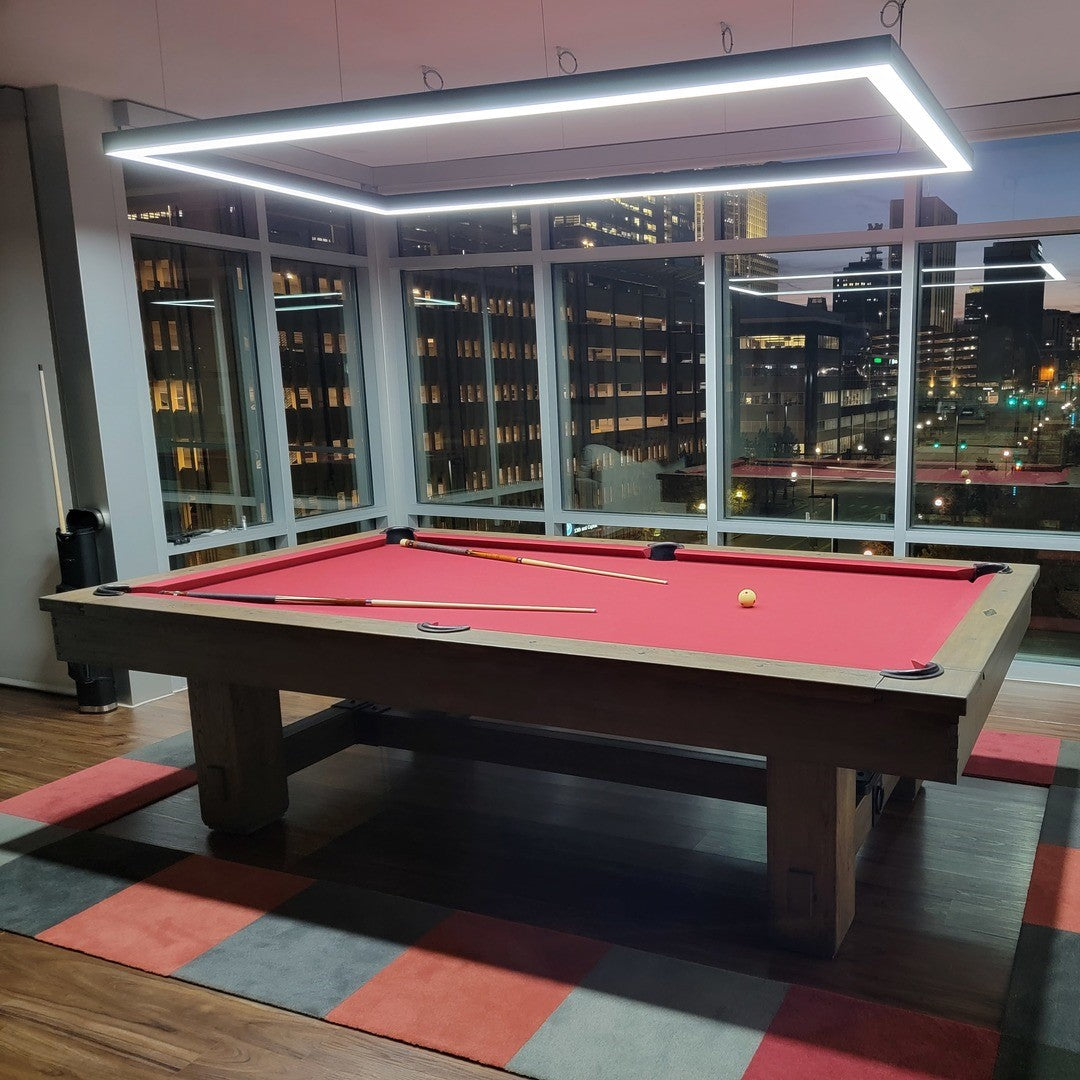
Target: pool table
x: 844, y: 667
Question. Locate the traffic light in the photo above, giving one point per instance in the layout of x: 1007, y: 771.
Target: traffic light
x: 963, y: 446
x: 1012, y: 401
x: 1040, y: 402
x: 878, y: 360
x: 937, y: 445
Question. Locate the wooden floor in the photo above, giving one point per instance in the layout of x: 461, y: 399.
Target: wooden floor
x: 940, y: 890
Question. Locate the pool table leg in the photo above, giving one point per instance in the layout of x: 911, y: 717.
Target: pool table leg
x: 811, y: 848
x: 239, y: 755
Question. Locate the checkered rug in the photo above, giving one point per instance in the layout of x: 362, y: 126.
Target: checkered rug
x: 537, y: 1002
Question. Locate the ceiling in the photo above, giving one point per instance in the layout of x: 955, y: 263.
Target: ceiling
x: 208, y: 58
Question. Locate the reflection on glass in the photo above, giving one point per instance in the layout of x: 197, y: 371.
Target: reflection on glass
x: 1054, y: 631
x: 641, y: 219
x: 319, y: 342
x: 196, y: 315
x: 330, y: 532
x: 749, y: 215
x: 631, y: 346
x: 1013, y: 180
x: 163, y: 197
x: 213, y: 555
x: 810, y: 543
x: 533, y: 528
x: 998, y: 384
x: 475, y: 392
x: 630, y: 532
x: 308, y: 224
x: 812, y: 362
x: 477, y: 233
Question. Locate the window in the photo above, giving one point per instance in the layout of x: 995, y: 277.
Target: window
x: 476, y: 400
x: 481, y: 232
x: 748, y: 215
x: 631, y: 349
x: 323, y: 386
x: 998, y: 384
x: 534, y: 528
x: 642, y: 219
x: 212, y: 555
x: 810, y: 543
x: 811, y: 383
x: 162, y: 197
x: 621, y: 532
x: 1013, y: 179
x: 313, y: 225
x: 203, y: 381
x: 330, y: 532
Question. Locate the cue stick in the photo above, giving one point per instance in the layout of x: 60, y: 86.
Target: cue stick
x: 450, y: 549
x: 61, y: 523
x: 361, y: 601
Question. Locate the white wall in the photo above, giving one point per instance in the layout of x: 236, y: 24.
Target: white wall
x: 28, y: 563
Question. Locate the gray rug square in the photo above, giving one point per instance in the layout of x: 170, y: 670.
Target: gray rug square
x: 316, y: 949
x: 1044, y: 992
x: 645, y: 1016
x: 19, y: 836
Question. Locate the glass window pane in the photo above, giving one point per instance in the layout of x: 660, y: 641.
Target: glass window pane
x: 213, y: 555
x: 348, y: 528
x: 1013, y: 179
x: 319, y: 342
x: 1054, y: 631
x: 196, y: 315
x: 810, y: 543
x: 310, y: 224
x: 631, y: 532
x: 475, y: 392
x: 481, y: 232
x: 534, y: 528
x: 631, y: 345
x: 747, y: 215
x: 811, y: 378
x: 998, y: 384
x: 642, y: 219
x: 164, y: 197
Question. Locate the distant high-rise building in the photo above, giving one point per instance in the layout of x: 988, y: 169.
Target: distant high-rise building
x: 744, y: 215
x: 643, y: 219
x: 1008, y: 317
x: 936, y: 293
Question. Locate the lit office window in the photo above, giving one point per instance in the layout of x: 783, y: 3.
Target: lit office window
x: 998, y: 384
x: 642, y: 219
x: 477, y: 232
x: 200, y: 360
x: 1013, y: 180
x: 1053, y: 634
x: 811, y: 378
x: 751, y: 215
x: 301, y: 223
x: 164, y: 197
x: 471, y: 336
x: 319, y: 342
x: 631, y: 347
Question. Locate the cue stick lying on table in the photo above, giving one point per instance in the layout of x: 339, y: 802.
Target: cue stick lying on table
x: 450, y: 549
x: 360, y: 601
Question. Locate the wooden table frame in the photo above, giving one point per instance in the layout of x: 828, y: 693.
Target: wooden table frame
x: 814, y: 725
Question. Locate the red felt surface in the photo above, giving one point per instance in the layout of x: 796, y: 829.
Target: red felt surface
x: 473, y: 986
x: 820, y: 1034
x: 836, y: 612
x: 164, y: 922
x: 99, y: 794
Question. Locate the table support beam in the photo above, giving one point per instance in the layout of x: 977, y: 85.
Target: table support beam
x: 811, y: 847
x: 239, y: 755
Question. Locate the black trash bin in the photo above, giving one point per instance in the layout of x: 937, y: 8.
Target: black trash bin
x: 80, y: 569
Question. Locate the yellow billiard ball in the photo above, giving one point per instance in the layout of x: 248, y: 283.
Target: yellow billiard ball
x: 748, y: 598
x: 965, y: 472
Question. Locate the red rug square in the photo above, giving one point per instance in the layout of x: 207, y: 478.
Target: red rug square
x: 99, y: 794
x: 473, y: 986
x: 1054, y: 893
x: 164, y: 922
x: 820, y: 1034
x: 1023, y: 759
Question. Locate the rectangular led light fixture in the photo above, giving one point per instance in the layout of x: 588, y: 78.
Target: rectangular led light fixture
x: 201, y: 147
